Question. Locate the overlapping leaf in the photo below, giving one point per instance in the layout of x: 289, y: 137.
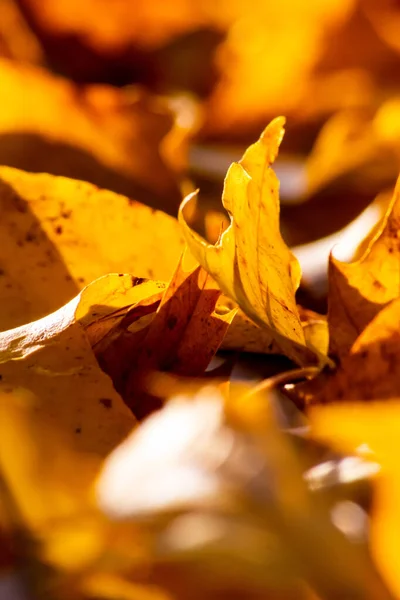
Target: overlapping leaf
x: 251, y: 262
x: 95, y: 133
x: 204, y: 479
x: 359, y: 290
x: 57, y: 235
x: 178, y: 332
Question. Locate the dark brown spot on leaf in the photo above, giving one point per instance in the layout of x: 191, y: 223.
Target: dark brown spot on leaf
x: 138, y: 281
x: 171, y: 322
x: 106, y: 402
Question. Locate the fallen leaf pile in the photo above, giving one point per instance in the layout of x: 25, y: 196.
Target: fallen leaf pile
x: 183, y: 414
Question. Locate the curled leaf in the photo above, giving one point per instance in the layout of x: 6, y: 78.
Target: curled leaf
x: 251, y: 263
x: 179, y: 333
x: 359, y: 290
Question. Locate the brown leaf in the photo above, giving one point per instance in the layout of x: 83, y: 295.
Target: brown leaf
x: 57, y: 235
x: 359, y: 290
x: 181, y: 336
x: 371, y: 370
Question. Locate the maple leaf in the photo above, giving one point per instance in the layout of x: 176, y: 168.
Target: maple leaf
x: 251, y: 263
x: 359, y: 290
x: 53, y: 235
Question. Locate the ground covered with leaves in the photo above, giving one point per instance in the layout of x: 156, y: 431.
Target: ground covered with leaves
x: 199, y: 323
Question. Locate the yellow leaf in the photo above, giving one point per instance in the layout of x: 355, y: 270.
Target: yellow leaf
x: 57, y: 235
x: 371, y: 430
x: 315, y: 329
x: 359, y: 290
x: 251, y: 263
x: 107, y: 586
x: 93, y: 133
x: 53, y: 358
x: 192, y: 465
x: 245, y: 336
x: 58, y: 533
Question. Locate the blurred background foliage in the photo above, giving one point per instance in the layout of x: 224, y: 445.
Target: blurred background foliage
x: 150, y: 100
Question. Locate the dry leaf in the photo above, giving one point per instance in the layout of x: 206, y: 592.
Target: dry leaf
x: 315, y: 329
x: 371, y: 430
x: 60, y: 538
x: 245, y: 336
x: 214, y: 472
x: 57, y: 235
x: 179, y: 332
x: 371, y: 370
x: 74, y: 413
x: 53, y: 359
x: 251, y: 262
x: 94, y: 133
x: 359, y: 290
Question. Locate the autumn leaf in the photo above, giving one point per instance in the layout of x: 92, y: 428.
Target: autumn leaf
x: 57, y: 235
x: 371, y: 368
x: 178, y: 332
x: 56, y: 399
x: 251, y: 263
x: 244, y: 335
x: 93, y: 133
x: 371, y: 429
x: 58, y: 534
x: 53, y: 359
x: 202, y: 478
x: 359, y: 290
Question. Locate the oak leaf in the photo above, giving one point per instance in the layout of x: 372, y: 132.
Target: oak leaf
x: 251, y: 263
